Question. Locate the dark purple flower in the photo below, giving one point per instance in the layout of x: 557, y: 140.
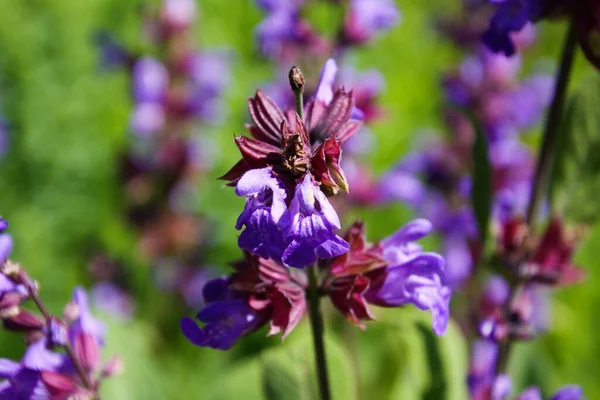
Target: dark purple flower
x: 309, y: 227
x: 259, y: 292
x: 225, y: 322
x: 3, y: 225
x: 367, y: 18
x: 510, y: 17
x: 278, y: 28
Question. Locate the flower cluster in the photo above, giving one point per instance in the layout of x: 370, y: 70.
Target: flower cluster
x: 513, y: 15
x: 172, y: 92
x: 392, y: 273
x: 290, y: 167
x: 45, y: 372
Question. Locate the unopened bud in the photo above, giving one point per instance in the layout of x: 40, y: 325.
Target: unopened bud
x: 296, y: 79
x: 24, y: 321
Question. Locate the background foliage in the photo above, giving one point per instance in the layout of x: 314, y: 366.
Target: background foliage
x: 59, y: 190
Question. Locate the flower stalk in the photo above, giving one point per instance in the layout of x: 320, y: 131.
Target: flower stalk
x: 317, y: 327
x: 544, y: 166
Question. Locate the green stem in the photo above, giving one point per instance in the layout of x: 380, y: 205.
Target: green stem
x: 317, y: 327
x: 551, y: 130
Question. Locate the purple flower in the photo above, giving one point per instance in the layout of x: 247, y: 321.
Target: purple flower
x: 23, y: 379
x: 571, y: 392
x: 367, y: 18
x: 150, y: 80
x: 148, y: 118
x: 225, y: 322
x: 309, y: 227
x: 210, y: 76
x: 6, y: 245
x: 86, y: 333
x: 412, y: 276
x: 112, y: 300
x: 179, y: 14
x: 276, y: 29
x: 3, y: 225
x: 265, y: 206
x: 510, y: 17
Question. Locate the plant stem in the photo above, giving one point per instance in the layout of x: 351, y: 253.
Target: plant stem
x: 551, y: 130
x: 316, y: 323
x: 85, y: 379
x: 544, y: 166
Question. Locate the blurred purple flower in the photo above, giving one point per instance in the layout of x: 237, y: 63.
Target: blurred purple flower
x: 109, y: 298
x: 510, y: 17
x: 368, y: 18
x: 179, y: 14
x: 150, y: 80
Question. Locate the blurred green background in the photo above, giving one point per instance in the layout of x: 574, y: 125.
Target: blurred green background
x: 60, y: 192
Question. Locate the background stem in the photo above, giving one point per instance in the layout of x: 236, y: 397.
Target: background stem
x: 317, y: 327
x: 551, y: 130
x: 543, y: 167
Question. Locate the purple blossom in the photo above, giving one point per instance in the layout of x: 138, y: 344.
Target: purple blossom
x: 225, y: 322
x: 276, y: 29
x: 510, y: 17
x: 112, y: 300
x: 265, y: 206
x: 413, y: 276
x: 150, y: 80
x: 309, y: 227
x: 179, y: 14
x: 210, y: 76
x: 23, y: 379
x: 368, y: 18
x: 6, y: 245
x: 148, y: 118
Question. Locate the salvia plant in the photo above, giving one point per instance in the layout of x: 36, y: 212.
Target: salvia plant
x: 504, y: 228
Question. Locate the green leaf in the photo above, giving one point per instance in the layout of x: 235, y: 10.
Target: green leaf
x: 575, y: 181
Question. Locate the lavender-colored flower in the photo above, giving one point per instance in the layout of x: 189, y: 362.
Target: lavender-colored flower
x: 210, y: 76
x: 112, y: 300
x: 309, y: 227
x: 3, y: 225
x: 570, y: 392
x: 148, y: 118
x: 481, y: 371
x: 150, y: 80
x: 412, y: 276
x: 367, y: 18
x: 265, y: 206
x: 23, y: 379
x: 179, y: 14
x: 6, y: 245
x: 276, y: 29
